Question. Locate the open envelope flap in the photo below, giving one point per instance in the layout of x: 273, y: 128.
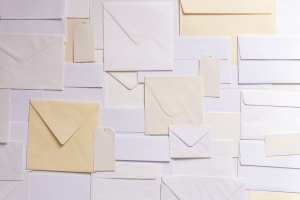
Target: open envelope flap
x: 271, y: 98
x: 231, y: 7
x: 8, y: 187
x: 137, y: 20
x: 64, y: 118
x: 127, y: 79
x: 269, y: 47
x: 190, y: 135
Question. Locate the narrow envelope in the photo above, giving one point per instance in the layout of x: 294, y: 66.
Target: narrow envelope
x: 208, y: 188
x: 31, y: 61
x: 104, y: 149
x: 61, y: 135
x: 5, y: 100
x: 269, y: 112
x: 258, y: 195
x: 172, y: 100
x: 282, y: 144
x: 275, y: 58
x: 233, y: 18
x: 78, y: 9
x: 190, y: 141
x: 138, y: 36
x: 123, y: 90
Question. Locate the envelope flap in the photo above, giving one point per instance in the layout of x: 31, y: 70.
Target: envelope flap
x: 228, y: 7
x: 127, y: 79
x: 8, y: 187
x: 64, y: 118
x: 190, y: 135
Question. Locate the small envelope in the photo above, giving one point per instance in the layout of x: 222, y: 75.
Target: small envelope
x: 66, y: 130
x: 208, y: 188
x: 190, y: 141
x: 138, y: 36
x: 31, y: 61
x: 5, y: 113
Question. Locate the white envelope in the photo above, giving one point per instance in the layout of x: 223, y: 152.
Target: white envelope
x: 84, y: 75
x: 138, y: 36
x: 142, y: 148
x: 133, y: 182
x: 78, y: 9
x: 269, y: 59
x: 206, y: 188
x: 123, y: 119
x: 288, y: 17
x: 5, y: 114
x: 11, y: 158
x: 19, y: 132
x: 31, y: 61
x: 188, y: 141
x: 269, y: 112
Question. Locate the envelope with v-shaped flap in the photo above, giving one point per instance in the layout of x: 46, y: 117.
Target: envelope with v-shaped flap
x: 138, y: 36
x: 197, y: 187
x: 31, y: 61
x: 123, y: 89
x: 61, y: 135
x: 188, y: 141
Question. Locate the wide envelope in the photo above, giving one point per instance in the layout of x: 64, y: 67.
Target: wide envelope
x: 208, y: 188
x: 61, y: 135
x: 202, y: 17
x: 269, y: 112
x: 141, y: 40
x: 31, y: 61
x: 275, y: 58
x: 5, y: 114
x: 190, y: 141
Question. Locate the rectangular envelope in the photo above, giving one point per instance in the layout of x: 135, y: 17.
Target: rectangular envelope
x: 5, y: 114
x: 269, y: 59
x: 282, y: 144
x: 258, y: 195
x: 31, y: 61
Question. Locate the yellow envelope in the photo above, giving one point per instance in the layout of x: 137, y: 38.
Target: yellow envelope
x: 230, y: 17
x: 61, y: 135
x: 264, y: 195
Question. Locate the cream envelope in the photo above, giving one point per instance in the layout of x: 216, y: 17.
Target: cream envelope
x: 99, y: 56
x: 123, y: 90
x: 190, y: 141
x: 208, y: 188
x: 104, y: 149
x: 66, y: 130
x: 78, y: 9
x: 11, y: 157
x: 232, y: 19
x: 282, y: 144
x: 172, y: 100
x: 5, y: 114
x: 287, y: 11
x: 138, y: 36
x: 259, y: 195
x: 269, y: 112
x: 31, y: 61
x: 133, y: 182
x: 274, y: 58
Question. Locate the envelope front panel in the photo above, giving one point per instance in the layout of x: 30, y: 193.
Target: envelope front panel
x: 282, y: 144
x: 5, y: 114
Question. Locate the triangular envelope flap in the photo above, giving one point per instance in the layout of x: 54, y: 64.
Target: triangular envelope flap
x: 190, y: 135
x: 269, y: 47
x: 8, y: 187
x: 137, y: 20
x: 64, y: 118
x: 271, y: 98
x: 228, y: 7
x: 127, y: 79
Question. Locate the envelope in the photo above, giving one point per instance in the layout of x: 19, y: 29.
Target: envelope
x: 232, y: 19
x: 269, y: 112
x: 128, y: 182
x: 11, y: 158
x: 257, y: 195
x: 99, y: 56
x: 269, y: 57
x: 104, y: 149
x: 19, y: 132
x: 142, y: 148
x: 5, y: 114
x: 141, y: 40
x: 78, y: 9
x: 208, y: 188
x: 282, y: 144
x: 123, y: 90
x: 66, y: 129
x: 288, y: 12
x: 190, y: 141
x: 96, y: 17
x: 31, y: 61
x: 172, y: 100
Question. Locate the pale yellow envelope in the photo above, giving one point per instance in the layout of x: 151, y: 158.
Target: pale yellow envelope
x: 264, y: 195
x: 230, y: 17
x: 61, y: 135
x: 282, y: 144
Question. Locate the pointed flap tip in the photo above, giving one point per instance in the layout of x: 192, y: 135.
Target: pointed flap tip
x: 127, y: 79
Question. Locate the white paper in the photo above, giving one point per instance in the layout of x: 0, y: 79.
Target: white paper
x: 78, y: 9
x: 5, y: 114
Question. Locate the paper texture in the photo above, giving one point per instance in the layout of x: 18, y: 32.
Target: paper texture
x: 5, y: 114
x: 282, y: 144
x: 257, y: 195
x: 287, y: 17
x: 78, y: 9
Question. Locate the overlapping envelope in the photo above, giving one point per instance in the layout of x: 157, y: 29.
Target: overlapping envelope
x: 259, y: 195
x: 78, y: 9
x: 61, y: 135
x: 282, y: 144
x: 5, y: 100
x: 138, y: 36
x: 269, y: 59
x: 31, y: 61
x: 190, y: 141
x: 172, y: 100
